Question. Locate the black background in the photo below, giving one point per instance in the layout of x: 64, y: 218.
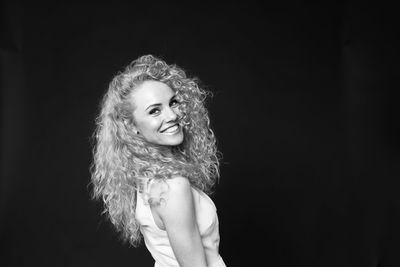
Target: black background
x: 305, y: 111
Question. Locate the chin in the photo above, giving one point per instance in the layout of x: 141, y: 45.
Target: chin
x: 175, y: 141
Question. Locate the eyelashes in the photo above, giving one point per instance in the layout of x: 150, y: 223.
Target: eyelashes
x: 173, y: 103
x: 154, y: 111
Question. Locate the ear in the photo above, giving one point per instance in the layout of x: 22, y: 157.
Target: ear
x: 134, y: 128
x: 131, y: 125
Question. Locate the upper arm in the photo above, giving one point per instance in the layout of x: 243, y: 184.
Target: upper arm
x: 177, y: 211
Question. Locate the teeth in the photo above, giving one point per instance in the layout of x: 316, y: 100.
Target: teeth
x: 171, y: 129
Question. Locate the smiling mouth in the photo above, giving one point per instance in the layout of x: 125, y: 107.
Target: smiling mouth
x: 171, y: 129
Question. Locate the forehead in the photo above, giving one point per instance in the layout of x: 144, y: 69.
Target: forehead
x: 151, y: 92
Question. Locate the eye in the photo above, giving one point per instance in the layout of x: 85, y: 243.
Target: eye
x: 154, y: 111
x: 174, y: 103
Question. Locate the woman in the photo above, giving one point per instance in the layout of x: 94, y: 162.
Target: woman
x: 155, y: 159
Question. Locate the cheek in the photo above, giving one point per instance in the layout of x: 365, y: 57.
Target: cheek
x: 148, y: 126
x: 178, y: 111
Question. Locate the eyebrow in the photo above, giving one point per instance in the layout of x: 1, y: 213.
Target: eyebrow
x: 159, y: 104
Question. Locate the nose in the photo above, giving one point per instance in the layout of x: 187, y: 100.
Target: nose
x: 170, y: 115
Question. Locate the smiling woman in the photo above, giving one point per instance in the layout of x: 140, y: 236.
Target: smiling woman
x: 155, y: 158
x: 156, y: 114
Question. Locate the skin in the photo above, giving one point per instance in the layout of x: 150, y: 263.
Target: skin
x: 156, y: 111
x: 156, y: 114
x: 177, y: 216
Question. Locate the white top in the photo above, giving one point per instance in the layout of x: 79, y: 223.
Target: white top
x: 157, y: 241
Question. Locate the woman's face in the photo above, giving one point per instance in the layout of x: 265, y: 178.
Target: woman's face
x: 156, y: 114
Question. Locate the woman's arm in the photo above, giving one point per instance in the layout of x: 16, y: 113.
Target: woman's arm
x: 177, y: 212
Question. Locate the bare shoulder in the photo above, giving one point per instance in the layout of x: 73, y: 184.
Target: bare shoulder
x: 178, y: 195
x: 179, y: 184
x: 178, y: 189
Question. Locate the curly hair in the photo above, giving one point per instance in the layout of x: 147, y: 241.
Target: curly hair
x: 123, y: 160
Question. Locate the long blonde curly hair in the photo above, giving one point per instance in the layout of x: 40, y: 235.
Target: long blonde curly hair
x: 122, y: 160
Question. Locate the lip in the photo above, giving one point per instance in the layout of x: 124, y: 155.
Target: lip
x: 175, y: 124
